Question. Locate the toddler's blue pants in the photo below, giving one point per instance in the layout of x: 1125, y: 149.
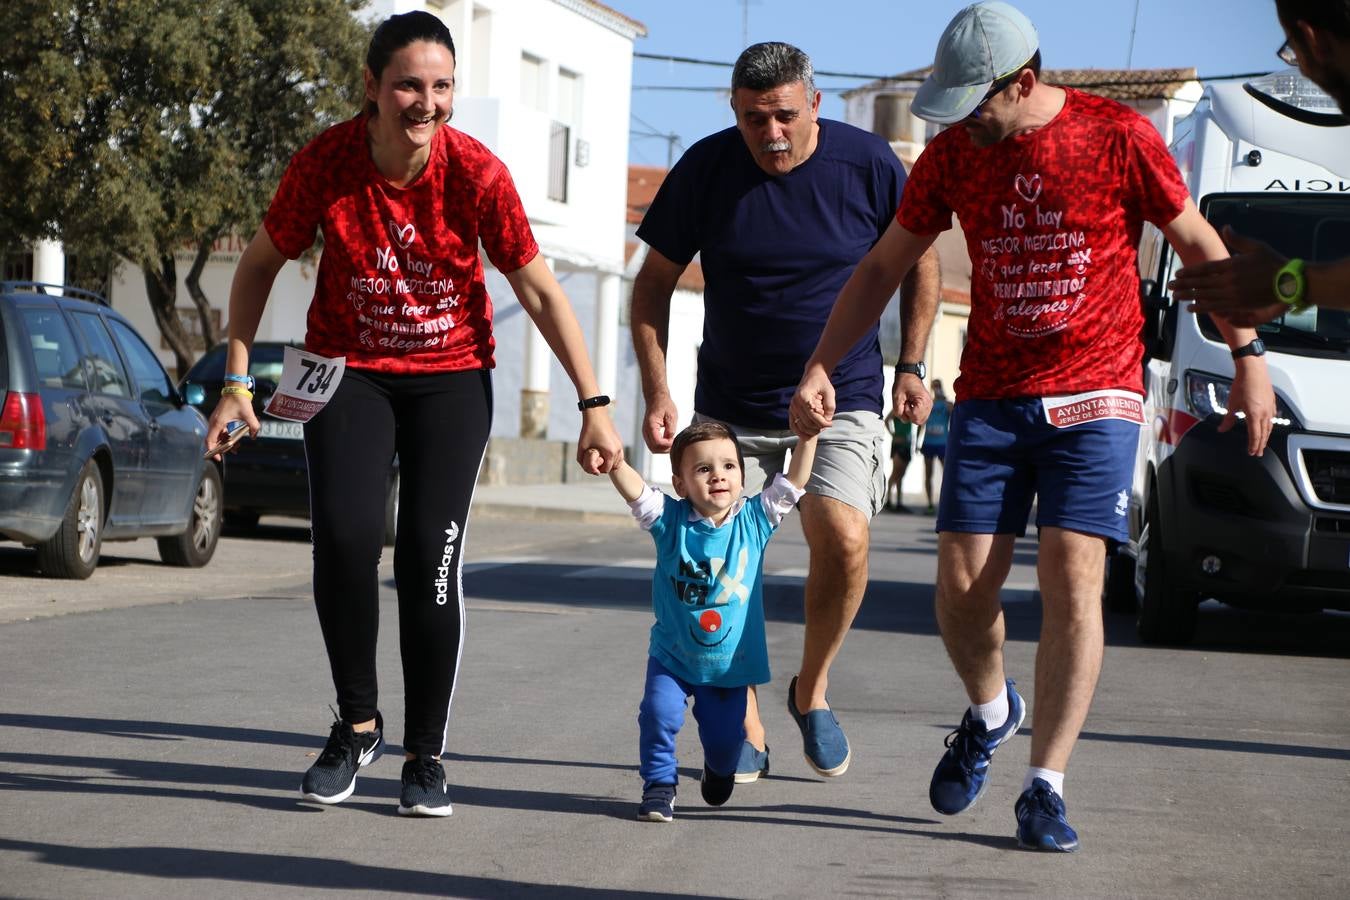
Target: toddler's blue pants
x: 720, y: 713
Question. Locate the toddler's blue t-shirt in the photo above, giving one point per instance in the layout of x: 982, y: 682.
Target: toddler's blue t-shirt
x: 708, y: 597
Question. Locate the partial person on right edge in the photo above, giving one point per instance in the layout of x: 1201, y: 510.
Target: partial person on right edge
x: 1257, y: 284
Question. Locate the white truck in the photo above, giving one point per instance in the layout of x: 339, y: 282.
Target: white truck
x: 1271, y: 158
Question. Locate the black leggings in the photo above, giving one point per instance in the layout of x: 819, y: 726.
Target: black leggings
x: 438, y: 424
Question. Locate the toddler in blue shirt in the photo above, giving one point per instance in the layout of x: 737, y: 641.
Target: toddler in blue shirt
x: 708, y: 638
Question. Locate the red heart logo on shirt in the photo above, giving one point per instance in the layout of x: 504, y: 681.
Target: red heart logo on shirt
x: 407, y: 234
x: 1027, y: 188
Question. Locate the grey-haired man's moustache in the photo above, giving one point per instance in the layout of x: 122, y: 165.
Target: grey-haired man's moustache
x: 775, y: 147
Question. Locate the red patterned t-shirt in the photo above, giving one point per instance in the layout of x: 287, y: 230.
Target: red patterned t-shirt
x: 400, y: 284
x: 1052, y: 221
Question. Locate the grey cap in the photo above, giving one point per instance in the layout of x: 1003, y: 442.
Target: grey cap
x: 985, y: 42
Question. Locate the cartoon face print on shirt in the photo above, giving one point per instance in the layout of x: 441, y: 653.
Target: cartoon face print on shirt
x: 706, y: 587
x: 1037, y: 265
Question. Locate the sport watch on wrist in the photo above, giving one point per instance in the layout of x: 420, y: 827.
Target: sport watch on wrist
x: 1257, y: 347
x: 917, y: 369
x: 1291, y: 285
x: 592, y: 402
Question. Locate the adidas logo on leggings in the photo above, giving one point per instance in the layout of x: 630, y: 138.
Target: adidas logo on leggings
x: 443, y: 573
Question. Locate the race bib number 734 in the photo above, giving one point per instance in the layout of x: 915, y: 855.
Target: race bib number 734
x: 307, y: 382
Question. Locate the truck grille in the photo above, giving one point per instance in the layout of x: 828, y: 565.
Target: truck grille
x: 1329, y: 472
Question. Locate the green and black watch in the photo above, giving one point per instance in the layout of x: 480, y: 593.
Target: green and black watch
x: 1291, y: 287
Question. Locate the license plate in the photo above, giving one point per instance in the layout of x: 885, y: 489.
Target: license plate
x: 271, y: 428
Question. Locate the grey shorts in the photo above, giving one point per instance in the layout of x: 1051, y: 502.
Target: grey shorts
x: 850, y: 461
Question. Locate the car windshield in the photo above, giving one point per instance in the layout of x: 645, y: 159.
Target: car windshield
x: 1307, y: 226
x: 264, y: 364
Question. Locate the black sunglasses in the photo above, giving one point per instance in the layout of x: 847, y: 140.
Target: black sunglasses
x: 1287, y: 55
x: 999, y: 86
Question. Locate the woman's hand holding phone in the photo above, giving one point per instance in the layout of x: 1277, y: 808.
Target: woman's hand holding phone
x: 234, y: 433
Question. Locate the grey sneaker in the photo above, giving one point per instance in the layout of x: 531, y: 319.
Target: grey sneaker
x: 424, y: 792
x: 332, y: 778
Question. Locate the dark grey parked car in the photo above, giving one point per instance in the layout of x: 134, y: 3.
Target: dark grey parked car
x: 96, y: 443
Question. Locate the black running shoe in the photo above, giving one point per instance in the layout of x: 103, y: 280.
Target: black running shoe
x: 717, y: 788
x: 424, y: 791
x: 332, y: 778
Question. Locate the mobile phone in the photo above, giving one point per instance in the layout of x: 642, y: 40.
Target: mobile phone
x: 235, y: 432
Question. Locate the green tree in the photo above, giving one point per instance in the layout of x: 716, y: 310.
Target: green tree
x: 136, y: 128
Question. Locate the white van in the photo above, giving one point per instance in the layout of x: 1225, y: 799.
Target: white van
x: 1271, y: 158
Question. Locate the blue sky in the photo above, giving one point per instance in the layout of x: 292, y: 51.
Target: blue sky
x: 884, y: 37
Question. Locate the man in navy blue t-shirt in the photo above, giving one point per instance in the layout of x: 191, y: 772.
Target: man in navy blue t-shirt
x: 781, y: 208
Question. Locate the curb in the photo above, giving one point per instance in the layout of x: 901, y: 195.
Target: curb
x: 550, y: 514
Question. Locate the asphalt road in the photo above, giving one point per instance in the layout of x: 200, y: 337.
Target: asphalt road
x: 155, y: 723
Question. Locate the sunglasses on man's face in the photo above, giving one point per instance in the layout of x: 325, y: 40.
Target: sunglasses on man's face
x: 999, y: 86
x: 1287, y: 55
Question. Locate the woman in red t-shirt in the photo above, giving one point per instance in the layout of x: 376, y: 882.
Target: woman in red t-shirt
x: 403, y: 203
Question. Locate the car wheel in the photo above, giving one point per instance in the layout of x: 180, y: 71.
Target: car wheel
x: 241, y: 519
x: 1166, y: 615
x: 73, y: 551
x: 391, y: 512
x: 196, y: 545
x: 1118, y: 590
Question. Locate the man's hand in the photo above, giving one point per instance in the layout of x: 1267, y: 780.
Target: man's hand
x: 1252, y: 394
x: 659, y: 424
x: 812, y: 407
x: 910, y: 399
x: 1240, y: 288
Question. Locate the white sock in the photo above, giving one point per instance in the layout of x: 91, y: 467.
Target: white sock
x: 994, y: 713
x: 1049, y: 776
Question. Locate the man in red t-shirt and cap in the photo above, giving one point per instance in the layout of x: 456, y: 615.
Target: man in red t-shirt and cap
x: 1052, y: 187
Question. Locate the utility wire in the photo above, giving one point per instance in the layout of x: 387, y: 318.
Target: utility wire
x: 1077, y: 84
x: 689, y: 60
x: 871, y: 77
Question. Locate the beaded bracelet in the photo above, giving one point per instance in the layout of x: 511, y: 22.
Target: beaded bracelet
x: 232, y: 390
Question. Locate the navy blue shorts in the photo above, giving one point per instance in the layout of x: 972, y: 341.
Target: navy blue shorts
x: 1002, y: 454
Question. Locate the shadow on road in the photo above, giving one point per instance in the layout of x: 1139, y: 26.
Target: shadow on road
x: 1173, y: 742
x: 907, y: 607
x: 306, y: 872
x: 155, y: 731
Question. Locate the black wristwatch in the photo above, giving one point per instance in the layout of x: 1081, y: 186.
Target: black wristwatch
x: 1256, y: 348
x: 592, y: 402
x: 918, y: 369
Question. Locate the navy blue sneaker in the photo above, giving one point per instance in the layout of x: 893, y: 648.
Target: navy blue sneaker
x: 823, y: 741
x: 717, y: 788
x: 962, y: 774
x: 1040, y: 820
x: 658, y: 803
x: 753, y: 763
